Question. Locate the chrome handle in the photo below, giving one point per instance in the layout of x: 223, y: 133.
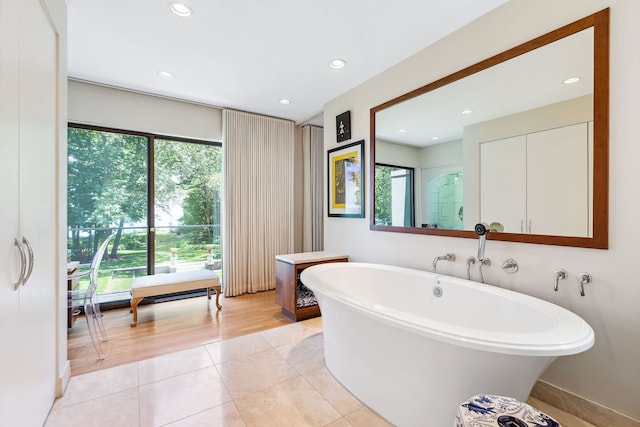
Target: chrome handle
x: 583, y: 278
x: 31, y: 260
x: 510, y: 265
x: 522, y: 225
x: 23, y: 264
x: 529, y: 227
x: 560, y: 274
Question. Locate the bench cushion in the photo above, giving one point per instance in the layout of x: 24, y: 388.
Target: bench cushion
x: 161, y: 284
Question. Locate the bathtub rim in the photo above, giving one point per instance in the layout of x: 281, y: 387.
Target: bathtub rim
x: 564, y: 342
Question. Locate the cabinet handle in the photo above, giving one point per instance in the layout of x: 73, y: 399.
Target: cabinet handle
x: 31, y: 260
x: 529, y: 227
x: 522, y: 225
x: 23, y: 264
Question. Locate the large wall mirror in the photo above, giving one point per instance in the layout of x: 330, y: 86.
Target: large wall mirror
x: 519, y: 141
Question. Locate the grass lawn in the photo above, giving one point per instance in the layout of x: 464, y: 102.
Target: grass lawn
x: 129, y: 260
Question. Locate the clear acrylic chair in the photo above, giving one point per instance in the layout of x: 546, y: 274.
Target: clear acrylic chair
x: 88, y: 299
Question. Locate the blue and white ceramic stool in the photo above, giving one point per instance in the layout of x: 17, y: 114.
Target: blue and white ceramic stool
x: 486, y: 410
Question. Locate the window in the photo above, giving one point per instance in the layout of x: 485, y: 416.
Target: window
x: 394, y: 195
x: 171, y: 225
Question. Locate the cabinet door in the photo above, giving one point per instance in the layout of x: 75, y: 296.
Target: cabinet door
x: 503, y: 182
x: 558, y: 181
x: 28, y: 334
x: 10, y: 354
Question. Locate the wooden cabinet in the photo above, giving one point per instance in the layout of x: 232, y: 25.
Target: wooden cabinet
x: 31, y: 120
x: 289, y: 289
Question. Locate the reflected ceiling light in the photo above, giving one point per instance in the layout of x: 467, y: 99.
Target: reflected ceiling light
x: 166, y: 74
x: 435, y: 138
x: 285, y: 102
x: 402, y: 130
x: 180, y: 9
x: 337, y: 63
x: 466, y: 112
x: 571, y: 80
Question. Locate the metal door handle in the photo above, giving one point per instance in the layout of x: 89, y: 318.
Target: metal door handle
x: 23, y: 264
x: 31, y: 260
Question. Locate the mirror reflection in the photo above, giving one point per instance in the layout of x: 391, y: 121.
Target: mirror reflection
x: 510, y: 145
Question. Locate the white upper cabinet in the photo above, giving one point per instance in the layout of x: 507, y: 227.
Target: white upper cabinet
x: 557, y: 181
x: 504, y: 200
x: 538, y: 183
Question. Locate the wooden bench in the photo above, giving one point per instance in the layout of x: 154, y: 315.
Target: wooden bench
x: 160, y: 284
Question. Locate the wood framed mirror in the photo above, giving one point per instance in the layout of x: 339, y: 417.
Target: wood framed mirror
x: 509, y: 141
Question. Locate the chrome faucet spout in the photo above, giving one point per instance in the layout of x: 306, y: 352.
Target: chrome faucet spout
x: 446, y: 257
x: 583, y: 279
x: 559, y: 275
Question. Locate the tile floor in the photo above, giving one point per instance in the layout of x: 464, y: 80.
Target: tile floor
x: 275, y: 377
x: 270, y: 378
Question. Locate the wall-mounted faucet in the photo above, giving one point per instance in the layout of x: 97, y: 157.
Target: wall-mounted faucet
x: 470, y: 260
x: 583, y: 279
x: 558, y: 275
x: 481, y: 230
x: 446, y: 257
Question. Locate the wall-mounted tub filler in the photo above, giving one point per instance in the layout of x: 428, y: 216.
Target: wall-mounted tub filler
x: 583, y: 279
x: 481, y: 230
x: 557, y: 276
x: 446, y: 257
x: 470, y: 260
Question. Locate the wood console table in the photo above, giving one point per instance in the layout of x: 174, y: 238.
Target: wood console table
x: 288, y: 285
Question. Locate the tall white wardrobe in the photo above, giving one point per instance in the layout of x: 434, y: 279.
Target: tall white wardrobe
x: 32, y: 123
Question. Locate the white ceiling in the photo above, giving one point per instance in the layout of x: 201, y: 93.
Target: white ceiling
x: 526, y: 82
x: 249, y: 54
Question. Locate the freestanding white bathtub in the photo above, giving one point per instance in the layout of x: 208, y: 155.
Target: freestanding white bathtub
x: 413, y: 345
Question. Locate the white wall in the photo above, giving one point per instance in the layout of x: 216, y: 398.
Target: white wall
x: 58, y: 16
x: 117, y: 108
x: 609, y: 373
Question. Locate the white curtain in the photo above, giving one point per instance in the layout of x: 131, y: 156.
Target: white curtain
x: 258, y: 202
x: 313, y: 215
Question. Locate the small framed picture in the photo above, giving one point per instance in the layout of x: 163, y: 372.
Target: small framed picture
x: 346, y: 175
x: 343, y: 126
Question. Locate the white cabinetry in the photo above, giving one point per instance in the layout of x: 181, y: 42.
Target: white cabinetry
x: 28, y: 145
x: 538, y: 183
x: 503, y: 181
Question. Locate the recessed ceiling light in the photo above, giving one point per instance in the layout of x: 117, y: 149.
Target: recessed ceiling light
x: 180, y: 9
x: 466, y: 112
x: 435, y: 138
x: 166, y: 74
x: 571, y: 80
x: 337, y: 63
x: 285, y: 102
x: 402, y: 130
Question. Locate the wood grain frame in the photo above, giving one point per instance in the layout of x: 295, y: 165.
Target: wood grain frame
x: 599, y: 21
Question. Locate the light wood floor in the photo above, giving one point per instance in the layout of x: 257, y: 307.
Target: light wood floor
x: 171, y: 326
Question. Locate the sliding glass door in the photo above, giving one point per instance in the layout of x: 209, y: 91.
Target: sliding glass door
x: 187, y: 206
x: 172, y: 225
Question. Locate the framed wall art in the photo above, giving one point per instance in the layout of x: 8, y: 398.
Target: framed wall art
x: 343, y: 126
x: 346, y: 178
